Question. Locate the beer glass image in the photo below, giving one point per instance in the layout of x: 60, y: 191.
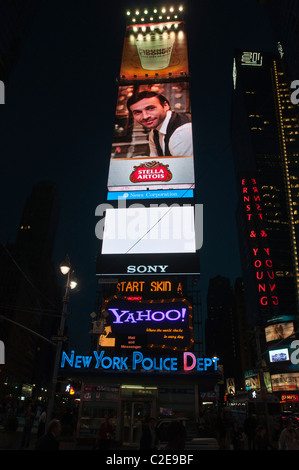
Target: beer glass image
x: 155, y: 50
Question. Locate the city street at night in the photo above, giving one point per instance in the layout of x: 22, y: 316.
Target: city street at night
x: 149, y: 272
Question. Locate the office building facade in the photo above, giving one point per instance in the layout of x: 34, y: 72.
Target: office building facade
x: 265, y: 138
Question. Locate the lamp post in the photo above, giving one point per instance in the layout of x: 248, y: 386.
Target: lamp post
x: 71, y: 283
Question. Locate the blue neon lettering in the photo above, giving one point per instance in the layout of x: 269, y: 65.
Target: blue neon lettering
x: 137, y: 358
x: 138, y: 361
x: 207, y: 362
x: 65, y: 357
x: 98, y: 358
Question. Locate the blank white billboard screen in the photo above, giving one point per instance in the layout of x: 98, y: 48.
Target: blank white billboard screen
x: 149, y: 230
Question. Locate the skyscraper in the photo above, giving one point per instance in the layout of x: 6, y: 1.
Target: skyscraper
x: 265, y: 137
x: 30, y: 295
x: 15, y: 22
x: 283, y: 16
x: 224, y: 328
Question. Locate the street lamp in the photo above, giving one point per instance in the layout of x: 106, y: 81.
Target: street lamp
x: 65, y: 266
x: 71, y: 283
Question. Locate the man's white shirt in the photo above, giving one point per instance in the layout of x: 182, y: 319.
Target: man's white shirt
x: 180, y: 142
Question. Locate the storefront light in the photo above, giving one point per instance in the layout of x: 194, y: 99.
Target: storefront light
x: 138, y: 387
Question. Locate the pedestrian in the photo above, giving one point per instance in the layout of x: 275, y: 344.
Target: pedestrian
x: 289, y: 437
x: 176, y: 436
x: 236, y: 435
x: 222, y: 429
x: 28, y: 423
x: 149, y: 438
x: 250, y: 425
x: 261, y: 439
x: 105, y: 436
x: 41, y: 424
x: 49, y: 441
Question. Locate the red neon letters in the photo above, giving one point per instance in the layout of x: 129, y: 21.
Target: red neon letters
x: 262, y: 262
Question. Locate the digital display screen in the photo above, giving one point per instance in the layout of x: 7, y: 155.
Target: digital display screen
x: 152, y: 144
x: 151, y: 48
x: 279, y: 331
x: 149, y: 230
x: 279, y: 355
x: 149, y: 323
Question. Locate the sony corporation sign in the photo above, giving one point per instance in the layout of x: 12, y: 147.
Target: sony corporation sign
x: 159, y: 239
x: 148, y: 264
x: 142, y: 269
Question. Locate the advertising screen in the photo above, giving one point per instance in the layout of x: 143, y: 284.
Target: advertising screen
x: 150, y: 240
x: 149, y: 323
x: 149, y: 230
x: 152, y: 48
x: 279, y: 355
x: 279, y: 331
x: 152, y: 144
x: 285, y: 382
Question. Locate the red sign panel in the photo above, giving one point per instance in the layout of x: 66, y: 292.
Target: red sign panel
x: 150, y: 171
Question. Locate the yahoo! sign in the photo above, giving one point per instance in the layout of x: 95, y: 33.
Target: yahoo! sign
x: 148, y: 315
x: 148, y: 323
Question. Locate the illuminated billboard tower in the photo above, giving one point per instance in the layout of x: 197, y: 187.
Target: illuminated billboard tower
x: 151, y: 159
x: 150, y: 235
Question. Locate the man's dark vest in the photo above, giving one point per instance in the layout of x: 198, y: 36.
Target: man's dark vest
x: 176, y: 120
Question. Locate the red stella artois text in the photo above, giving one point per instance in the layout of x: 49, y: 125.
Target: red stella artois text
x: 152, y: 171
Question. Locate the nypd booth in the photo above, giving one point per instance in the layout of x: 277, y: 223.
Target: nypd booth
x: 144, y: 364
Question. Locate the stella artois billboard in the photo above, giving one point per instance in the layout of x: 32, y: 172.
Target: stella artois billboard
x: 152, y: 143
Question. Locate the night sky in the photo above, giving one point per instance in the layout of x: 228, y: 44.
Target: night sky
x: 58, y: 119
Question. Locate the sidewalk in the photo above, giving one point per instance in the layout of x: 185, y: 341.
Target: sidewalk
x: 13, y: 440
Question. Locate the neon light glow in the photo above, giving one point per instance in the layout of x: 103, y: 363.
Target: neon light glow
x: 262, y: 262
x: 137, y: 361
x: 125, y: 316
x: 139, y: 324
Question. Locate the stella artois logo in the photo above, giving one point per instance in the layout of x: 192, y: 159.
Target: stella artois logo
x: 150, y: 171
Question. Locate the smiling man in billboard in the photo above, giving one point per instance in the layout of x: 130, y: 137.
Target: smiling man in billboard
x: 170, y: 132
